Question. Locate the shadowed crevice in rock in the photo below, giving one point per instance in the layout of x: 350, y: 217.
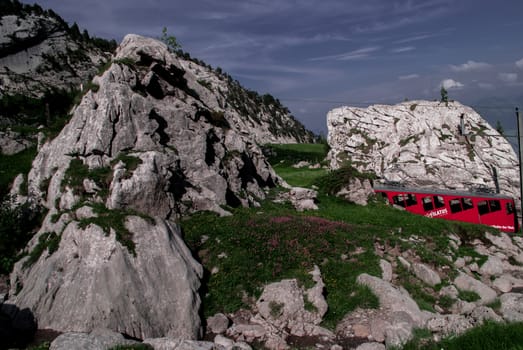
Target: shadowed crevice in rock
x: 17, y: 327
x: 248, y: 173
x: 214, y: 118
x: 154, y: 88
x: 178, y: 184
x: 160, y: 130
x: 231, y: 199
x: 174, y: 76
x: 210, y: 153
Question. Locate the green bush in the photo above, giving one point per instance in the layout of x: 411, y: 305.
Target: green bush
x: 334, y: 181
x: 18, y: 224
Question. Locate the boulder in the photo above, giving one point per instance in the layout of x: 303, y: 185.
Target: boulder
x: 218, y: 323
x: 426, y: 274
x: 449, y: 324
x: 357, y: 191
x: 512, y: 307
x: 92, y: 280
x: 492, y: 267
x: 418, y: 143
x: 98, y: 339
x: 303, y: 198
x: 166, y: 343
x: 467, y: 283
x: 393, y: 299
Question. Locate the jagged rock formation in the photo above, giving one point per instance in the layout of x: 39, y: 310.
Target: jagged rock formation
x: 39, y: 52
x: 151, y: 126
x: 261, y: 118
x: 419, y: 143
x: 147, y: 143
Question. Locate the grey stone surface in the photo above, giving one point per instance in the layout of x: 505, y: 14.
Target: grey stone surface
x: 393, y: 299
x: 41, y: 48
x: 386, y: 270
x: 218, y: 323
x: 467, y: 283
x: 93, y: 281
x: 98, y: 339
x: 493, y: 266
x: 512, y: 307
x: 166, y: 343
x: 426, y: 274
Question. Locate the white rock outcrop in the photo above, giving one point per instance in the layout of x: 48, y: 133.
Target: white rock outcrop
x: 419, y: 143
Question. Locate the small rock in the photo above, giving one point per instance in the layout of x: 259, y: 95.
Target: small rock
x: 503, y: 284
x: 386, y: 270
x: 371, y: 346
x: 218, y: 323
x: 426, y: 274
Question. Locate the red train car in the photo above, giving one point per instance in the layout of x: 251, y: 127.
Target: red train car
x: 490, y: 209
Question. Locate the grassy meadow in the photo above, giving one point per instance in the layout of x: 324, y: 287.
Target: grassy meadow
x: 255, y: 246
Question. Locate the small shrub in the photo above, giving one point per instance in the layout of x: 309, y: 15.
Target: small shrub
x: 469, y: 296
x: 131, y: 163
x: 47, y: 241
x: 276, y: 309
x: 127, y: 61
x: 333, y: 182
x: 17, y: 226
x: 446, y: 301
x: 115, y: 219
x: 78, y: 171
x: 309, y: 306
x: 205, y: 84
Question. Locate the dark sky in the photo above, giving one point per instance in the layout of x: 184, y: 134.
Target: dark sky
x: 315, y: 55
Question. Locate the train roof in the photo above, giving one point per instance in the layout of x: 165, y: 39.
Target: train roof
x: 445, y: 192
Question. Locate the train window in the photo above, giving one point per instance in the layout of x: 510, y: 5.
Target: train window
x: 510, y: 208
x: 439, y: 202
x: 467, y: 203
x: 427, y: 203
x: 399, y: 200
x: 455, y: 206
x: 482, y: 207
x: 411, y: 200
x: 494, y: 205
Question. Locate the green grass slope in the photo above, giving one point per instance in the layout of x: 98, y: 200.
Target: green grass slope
x: 256, y: 246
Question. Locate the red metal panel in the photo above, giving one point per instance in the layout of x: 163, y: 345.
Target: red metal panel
x: 458, y: 207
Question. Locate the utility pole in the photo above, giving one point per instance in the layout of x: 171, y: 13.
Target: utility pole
x: 520, y: 143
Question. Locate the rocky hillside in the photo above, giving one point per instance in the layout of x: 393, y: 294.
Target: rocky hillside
x: 146, y: 143
x: 421, y: 143
x: 40, y: 52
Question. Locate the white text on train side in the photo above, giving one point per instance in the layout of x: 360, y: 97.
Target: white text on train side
x: 438, y: 212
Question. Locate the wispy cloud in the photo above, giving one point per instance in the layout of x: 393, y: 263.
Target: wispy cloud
x: 486, y: 86
x: 519, y: 63
x: 470, y: 66
x: 424, y: 36
x: 408, y: 77
x: 451, y: 84
x: 508, y: 78
x: 403, y: 49
x: 362, y: 53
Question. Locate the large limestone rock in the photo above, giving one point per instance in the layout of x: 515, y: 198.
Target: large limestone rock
x: 150, y: 142
x: 189, y: 153
x: 38, y: 53
x: 92, y: 280
x: 418, y: 143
